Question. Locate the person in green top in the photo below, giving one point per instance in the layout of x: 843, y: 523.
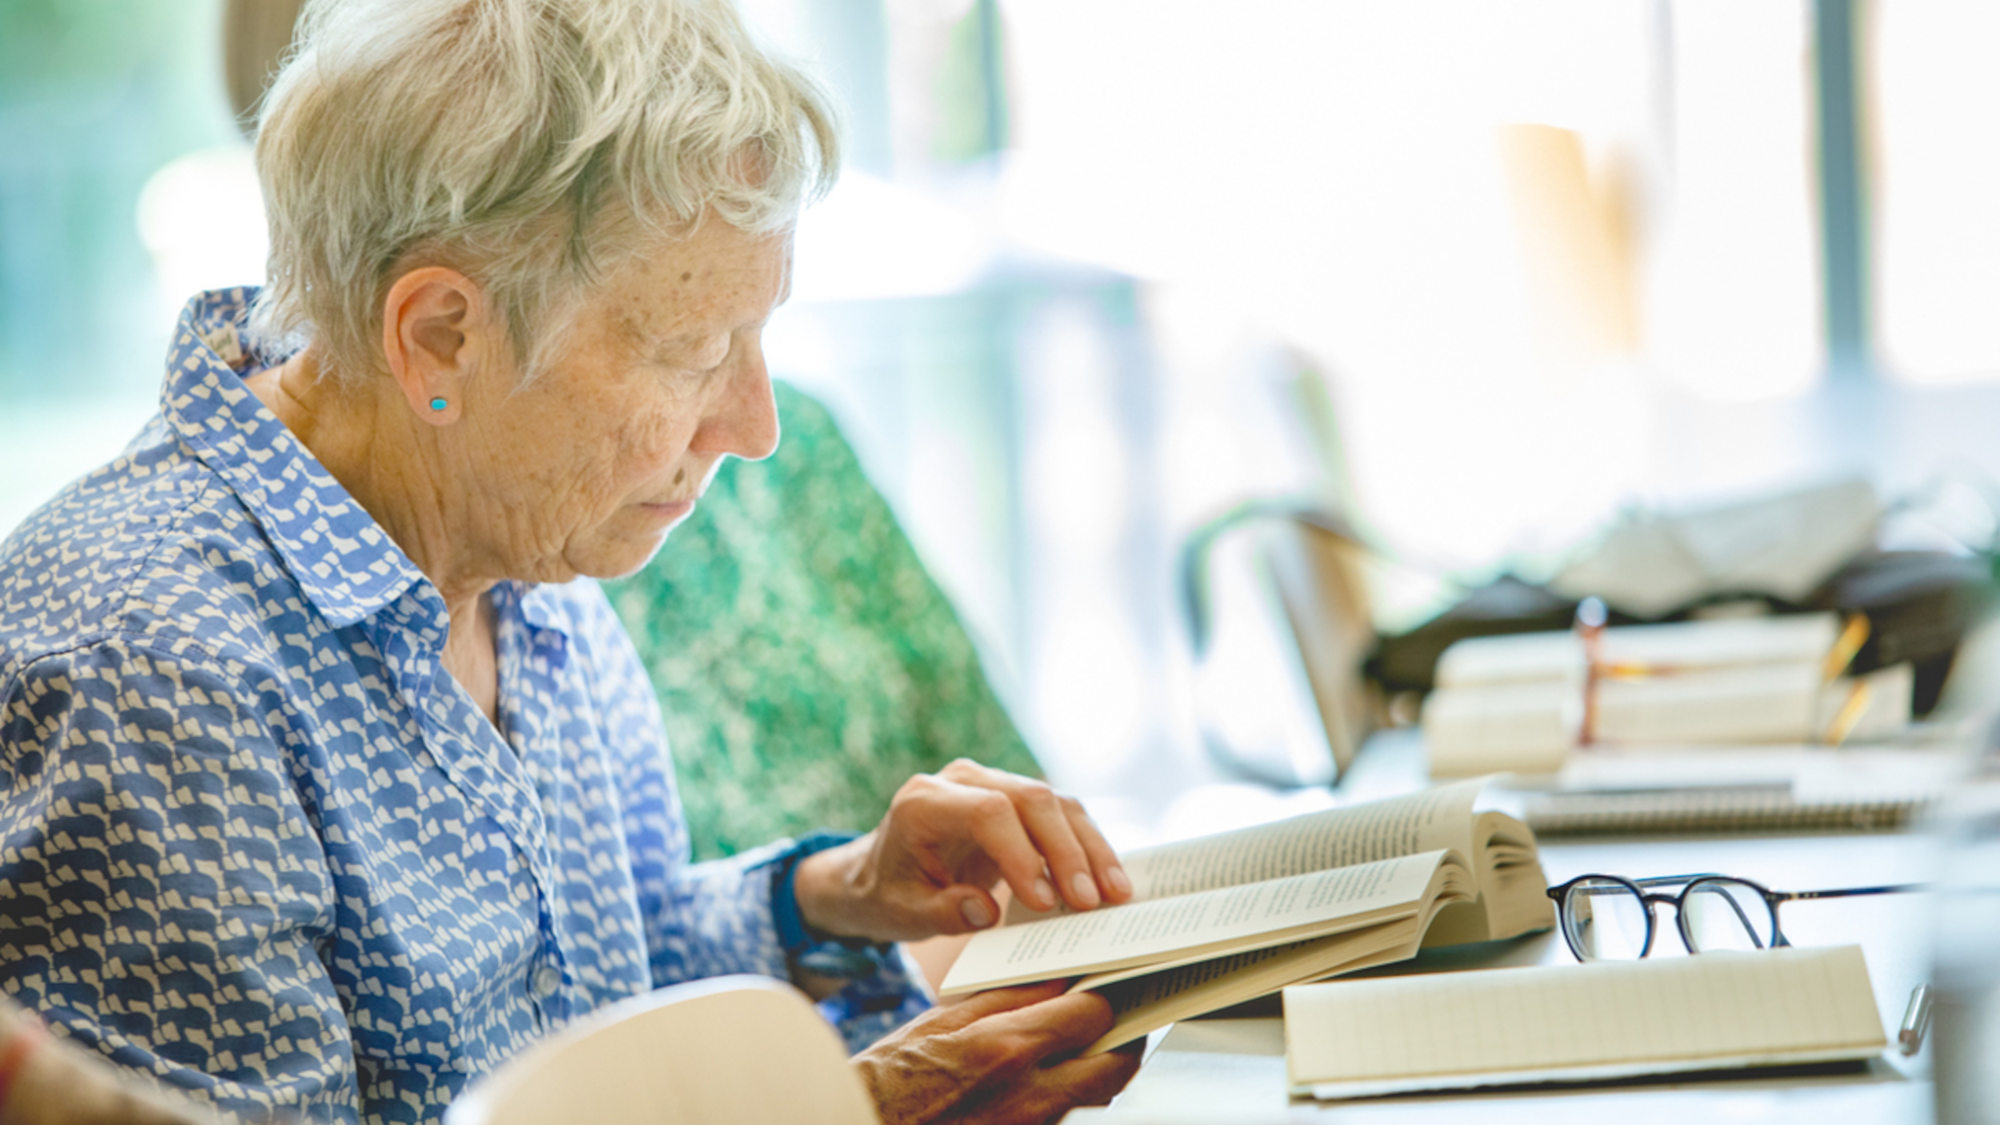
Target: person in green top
x: 806, y: 661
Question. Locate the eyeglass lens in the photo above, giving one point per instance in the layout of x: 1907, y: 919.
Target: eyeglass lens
x: 1721, y: 914
x: 1605, y: 920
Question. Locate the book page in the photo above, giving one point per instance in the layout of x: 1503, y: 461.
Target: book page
x: 1402, y: 1032
x: 1513, y: 890
x: 1451, y: 886
x: 1226, y: 919
x: 1146, y: 1003
x: 1431, y: 820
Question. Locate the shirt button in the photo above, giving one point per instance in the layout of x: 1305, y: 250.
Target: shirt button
x: 548, y: 978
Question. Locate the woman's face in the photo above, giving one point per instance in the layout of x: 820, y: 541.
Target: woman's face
x: 584, y: 470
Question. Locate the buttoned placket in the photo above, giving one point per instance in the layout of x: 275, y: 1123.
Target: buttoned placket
x: 531, y: 652
x: 485, y: 769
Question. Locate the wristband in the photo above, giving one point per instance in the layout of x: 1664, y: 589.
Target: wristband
x: 845, y: 958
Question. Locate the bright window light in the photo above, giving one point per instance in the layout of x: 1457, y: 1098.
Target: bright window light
x: 1937, y: 191
x: 1735, y: 306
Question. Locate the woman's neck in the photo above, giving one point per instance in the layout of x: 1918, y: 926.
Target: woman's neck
x: 387, y: 462
x: 365, y: 437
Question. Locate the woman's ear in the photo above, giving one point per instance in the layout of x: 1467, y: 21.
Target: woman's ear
x: 435, y: 335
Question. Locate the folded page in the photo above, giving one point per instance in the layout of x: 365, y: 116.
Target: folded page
x: 1228, y: 919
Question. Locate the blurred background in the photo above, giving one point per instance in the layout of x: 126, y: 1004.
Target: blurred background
x: 1480, y: 277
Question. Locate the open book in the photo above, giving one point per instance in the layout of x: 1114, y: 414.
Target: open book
x: 1590, y: 1022
x: 1222, y: 919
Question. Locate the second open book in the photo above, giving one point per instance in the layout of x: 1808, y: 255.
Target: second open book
x: 1222, y: 919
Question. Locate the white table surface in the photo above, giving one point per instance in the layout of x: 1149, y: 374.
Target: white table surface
x: 1233, y: 1070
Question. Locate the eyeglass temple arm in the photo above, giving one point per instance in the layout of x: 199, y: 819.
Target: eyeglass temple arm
x: 1787, y: 896
x: 1846, y: 892
x: 1668, y: 880
x: 1778, y: 934
x: 1557, y: 891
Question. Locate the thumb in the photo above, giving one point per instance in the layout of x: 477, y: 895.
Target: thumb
x: 962, y: 908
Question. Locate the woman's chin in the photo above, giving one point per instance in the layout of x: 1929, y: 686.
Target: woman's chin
x: 616, y: 557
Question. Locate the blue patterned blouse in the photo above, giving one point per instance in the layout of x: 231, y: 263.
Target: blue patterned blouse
x: 256, y: 842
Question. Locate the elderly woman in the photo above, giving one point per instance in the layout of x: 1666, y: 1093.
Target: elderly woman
x: 327, y: 780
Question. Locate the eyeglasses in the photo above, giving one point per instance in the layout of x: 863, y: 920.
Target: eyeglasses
x: 1609, y: 917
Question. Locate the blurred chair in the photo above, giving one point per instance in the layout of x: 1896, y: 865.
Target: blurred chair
x: 725, y: 1051
x: 1318, y: 570
x: 806, y: 661
x: 1308, y: 563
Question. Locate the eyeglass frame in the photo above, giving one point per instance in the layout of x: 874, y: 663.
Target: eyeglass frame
x: 1772, y: 900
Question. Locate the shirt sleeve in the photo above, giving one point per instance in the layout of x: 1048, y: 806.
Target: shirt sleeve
x: 867, y: 1008
x: 164, y: 888
x: 871, y: 1007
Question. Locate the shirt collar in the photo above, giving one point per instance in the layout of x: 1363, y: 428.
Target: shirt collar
x: 345, y: 564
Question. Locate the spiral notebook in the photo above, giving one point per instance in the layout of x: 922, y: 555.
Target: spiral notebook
x: 1740, y: 789
x: 1718, y: 809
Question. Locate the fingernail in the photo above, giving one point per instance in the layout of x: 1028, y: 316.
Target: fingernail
x: 1085, y: 888
x: 1045, y: 895
x: 1120, y: 882
x: 975, y: 913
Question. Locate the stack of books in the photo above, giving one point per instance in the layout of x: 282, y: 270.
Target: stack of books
x: 1526, y: 703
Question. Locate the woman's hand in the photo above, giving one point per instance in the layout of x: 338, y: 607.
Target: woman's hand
x: 948, y: 840
x: 998, y: 1058
x: 56, y: 1083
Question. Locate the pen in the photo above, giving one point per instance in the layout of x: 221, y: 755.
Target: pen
x: 1916, y: 1020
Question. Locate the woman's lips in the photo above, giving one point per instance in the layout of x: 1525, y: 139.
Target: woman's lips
x: 671, y: 510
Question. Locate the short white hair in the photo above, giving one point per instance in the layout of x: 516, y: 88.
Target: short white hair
x: 523, y: 142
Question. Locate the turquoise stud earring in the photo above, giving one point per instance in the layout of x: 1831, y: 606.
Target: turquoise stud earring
x: 439, y: 404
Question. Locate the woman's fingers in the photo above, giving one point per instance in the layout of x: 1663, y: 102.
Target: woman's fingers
x: 1047, y: 817
x: 981, y: 1005
x: 932, y: 866
x: 1047, y: 1093
x: 989, y: 816
x: 1048, y: 1035
x: 1081, y: 866
x: 995, y: 1057
x: 1112, y: 878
